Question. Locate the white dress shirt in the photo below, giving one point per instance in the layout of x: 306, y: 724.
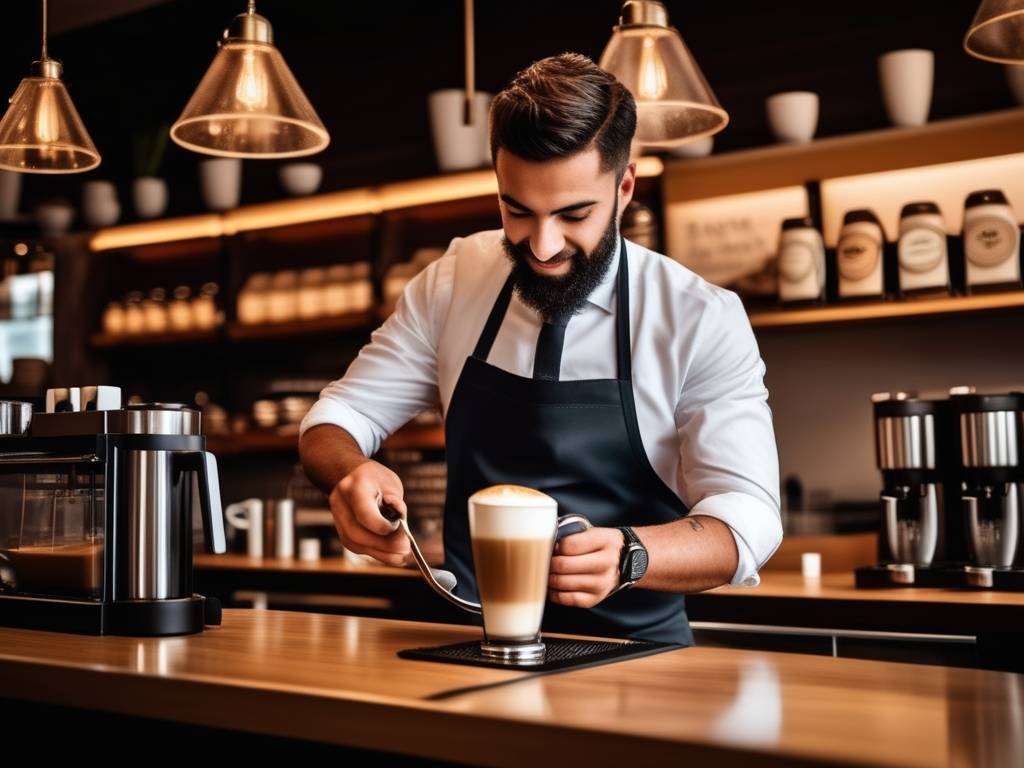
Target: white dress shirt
x: 698, y: 378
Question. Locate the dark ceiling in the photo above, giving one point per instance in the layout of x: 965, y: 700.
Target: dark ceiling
x: 367, y: 68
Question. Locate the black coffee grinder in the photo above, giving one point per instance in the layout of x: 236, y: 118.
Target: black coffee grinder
x: 918, y: 535
x: 991, y: 430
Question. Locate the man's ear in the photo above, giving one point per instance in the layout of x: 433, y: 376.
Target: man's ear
x: 627, y: 186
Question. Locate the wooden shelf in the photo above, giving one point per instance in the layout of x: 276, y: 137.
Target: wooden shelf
x: 782, y: 165
x: 352, y: 321
x: 948, y: 305
x: 411, y: 436
x: 363, y: 201
x: 237, y: 332
x: 114, y: 341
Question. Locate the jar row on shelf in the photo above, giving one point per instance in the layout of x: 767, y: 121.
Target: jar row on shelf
x: 924, y: 259
x: 153, y: 312
x: 306, y: 294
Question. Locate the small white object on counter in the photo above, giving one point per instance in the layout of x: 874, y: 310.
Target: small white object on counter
x: 810, y: 565
x: 309, y: 549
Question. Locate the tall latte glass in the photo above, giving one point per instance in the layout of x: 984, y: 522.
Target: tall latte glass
x: 513, y: 533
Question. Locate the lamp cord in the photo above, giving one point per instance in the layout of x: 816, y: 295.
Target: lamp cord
x: 468, y: 117
x: 44, y: 30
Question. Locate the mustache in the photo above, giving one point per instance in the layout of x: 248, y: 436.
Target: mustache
x: 523, y: 251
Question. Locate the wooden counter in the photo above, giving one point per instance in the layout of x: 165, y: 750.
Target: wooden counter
x: 337, y: 680
x: 833, y: 602
x: 782, y: 599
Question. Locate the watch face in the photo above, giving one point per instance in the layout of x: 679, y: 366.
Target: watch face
x: 637, y: 564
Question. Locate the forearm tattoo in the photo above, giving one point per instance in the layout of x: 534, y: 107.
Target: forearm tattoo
x: 695, y: 525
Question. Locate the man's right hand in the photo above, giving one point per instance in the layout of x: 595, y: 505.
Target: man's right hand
x: 355, y: 505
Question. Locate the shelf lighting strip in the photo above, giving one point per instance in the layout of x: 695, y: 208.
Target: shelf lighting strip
x: 334, y: 205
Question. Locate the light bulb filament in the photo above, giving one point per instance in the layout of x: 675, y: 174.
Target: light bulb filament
x: 251, y: 90
x: 653, y: 78
x: 47, y: 125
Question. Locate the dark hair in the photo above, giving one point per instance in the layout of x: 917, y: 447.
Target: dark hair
x: 560, y: 106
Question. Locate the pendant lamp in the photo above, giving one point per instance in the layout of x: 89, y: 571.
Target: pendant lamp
x: 41, y: 131
x: 248, y: 103
x: 674, y: 103
x: 997, y: 32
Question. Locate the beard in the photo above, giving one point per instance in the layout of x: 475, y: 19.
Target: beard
x: 559, y: 295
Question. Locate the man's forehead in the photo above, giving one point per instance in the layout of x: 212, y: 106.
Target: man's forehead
x: 553, y: 182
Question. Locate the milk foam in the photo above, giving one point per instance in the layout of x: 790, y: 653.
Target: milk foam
x: 512, y: 512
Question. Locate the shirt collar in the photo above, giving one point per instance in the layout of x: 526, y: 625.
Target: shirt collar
x: 603, y: 295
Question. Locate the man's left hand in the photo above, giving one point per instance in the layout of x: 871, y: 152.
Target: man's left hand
x: 585, y: 567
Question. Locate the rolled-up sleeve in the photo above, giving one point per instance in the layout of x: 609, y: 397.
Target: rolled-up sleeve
x: 729, y: 460
x: 394, y: 377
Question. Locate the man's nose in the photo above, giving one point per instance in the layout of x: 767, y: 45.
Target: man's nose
x: 546, y: 242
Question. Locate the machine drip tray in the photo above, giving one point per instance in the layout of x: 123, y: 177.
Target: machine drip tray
x: 875, y: 576
x: 559, y: 654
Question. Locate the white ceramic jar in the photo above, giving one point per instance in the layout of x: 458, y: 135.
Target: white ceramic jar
x: 252, y: 299
x: 991, y: 241
x: 311, y: 292
x: 859, y: 256
x: 801, y: 261
x: 922, y: 252
x: 336, y: 292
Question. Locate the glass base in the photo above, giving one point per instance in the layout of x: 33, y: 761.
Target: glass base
x: 531, y: 652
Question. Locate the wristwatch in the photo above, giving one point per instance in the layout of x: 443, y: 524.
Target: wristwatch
x: 634, y: 559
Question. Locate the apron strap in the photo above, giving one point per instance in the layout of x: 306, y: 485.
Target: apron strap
x: 494, y: 320
x: 623, y: 347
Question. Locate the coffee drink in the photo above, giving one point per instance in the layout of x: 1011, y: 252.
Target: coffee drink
x: 71, y: 569
x: 513, y: 533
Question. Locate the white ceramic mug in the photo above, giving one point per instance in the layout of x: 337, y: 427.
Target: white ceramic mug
x: 906, y: 78
x: 793, y: 115
x: 459, y: 146
x: 221, y: 182
x: 100, y: 207
x: 300, y: 178
x: 149, y: 196
x: 248, y: 516
x: 54, y: 218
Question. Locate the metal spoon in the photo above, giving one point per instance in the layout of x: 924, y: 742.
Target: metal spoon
x: 444, y: 582
x: 441, y: 581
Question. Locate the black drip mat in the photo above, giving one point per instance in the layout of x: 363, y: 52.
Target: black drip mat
x: 559, y: 654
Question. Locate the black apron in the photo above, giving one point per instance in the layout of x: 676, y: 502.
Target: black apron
x: 577, y: 441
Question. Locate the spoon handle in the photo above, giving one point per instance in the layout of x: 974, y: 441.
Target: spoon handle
x: 393, y: 515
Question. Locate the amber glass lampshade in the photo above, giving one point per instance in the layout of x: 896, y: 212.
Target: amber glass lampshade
x: 674, y: 103
x: 997, y: 32
x: 248, y: 103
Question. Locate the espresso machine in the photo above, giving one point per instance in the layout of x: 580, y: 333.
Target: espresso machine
x: 919, y: 533
x: 96, y: 508
x: 991, y: 431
